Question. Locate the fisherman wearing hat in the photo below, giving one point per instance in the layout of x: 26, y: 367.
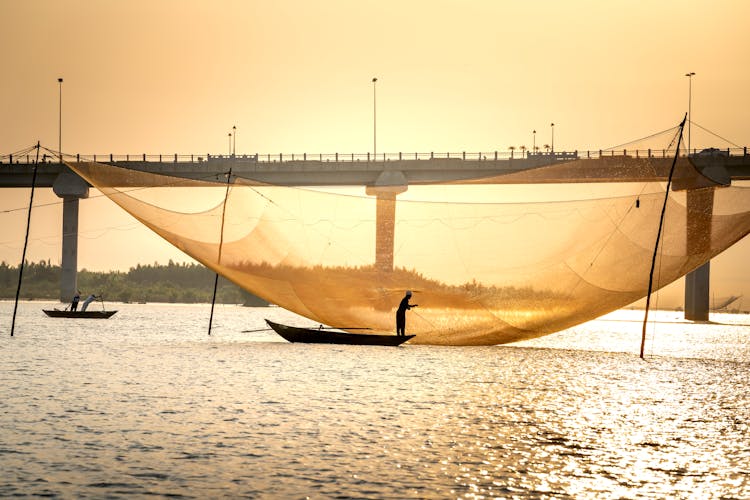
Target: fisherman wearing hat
x: 401, y: 314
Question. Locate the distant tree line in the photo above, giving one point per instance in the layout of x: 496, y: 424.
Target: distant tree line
x: 186, y: 283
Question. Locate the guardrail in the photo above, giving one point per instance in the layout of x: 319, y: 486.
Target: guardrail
x: 380, y: 157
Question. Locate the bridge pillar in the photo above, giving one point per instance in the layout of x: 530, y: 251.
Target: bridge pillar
x: 388, y: 185
x: 70, y: 188
x: 697, y: 293
x: 700, y: 204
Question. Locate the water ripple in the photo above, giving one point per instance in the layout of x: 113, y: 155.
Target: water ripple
x: 129, y: 410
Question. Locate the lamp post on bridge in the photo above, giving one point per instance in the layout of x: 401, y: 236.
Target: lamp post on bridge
x: 374, y: 120
x: 533, y: 147
x: 230, y: 143
x: 552, y: 126
x: 690, y: 103
x: 59, y: 120
x: 234, y: 141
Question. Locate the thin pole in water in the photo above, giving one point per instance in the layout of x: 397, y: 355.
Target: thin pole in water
x: 25, y: 242
x: 221, y: 242
x: 658, y: 236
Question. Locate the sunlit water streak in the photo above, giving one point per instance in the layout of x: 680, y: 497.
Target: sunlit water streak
x: 146, y: 403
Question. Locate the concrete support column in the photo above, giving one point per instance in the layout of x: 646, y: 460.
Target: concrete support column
x: 385, y: 231
x: 697, y: 293
x: 388, y: 185
x: 700, y: 204
x: 70, y: 188
x: 69, y: 277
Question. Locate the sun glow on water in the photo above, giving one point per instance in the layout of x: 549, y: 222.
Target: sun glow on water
x: 159, y: 406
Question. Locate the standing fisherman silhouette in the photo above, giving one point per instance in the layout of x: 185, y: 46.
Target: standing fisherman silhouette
x: 88, y: 301
x: 401, y: 313
x: 76, y: 298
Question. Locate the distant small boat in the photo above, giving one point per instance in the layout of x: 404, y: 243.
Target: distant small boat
x: 722, y: 304
x: 321, y: 336
x: 57, y: 313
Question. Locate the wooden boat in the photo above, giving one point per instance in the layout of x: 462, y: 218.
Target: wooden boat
x: 57, y: 313
x: 322, y: 336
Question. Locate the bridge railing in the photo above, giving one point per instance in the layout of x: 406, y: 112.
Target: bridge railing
x: 271, y: 158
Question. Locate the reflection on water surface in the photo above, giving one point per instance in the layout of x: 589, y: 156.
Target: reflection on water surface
x: 147, y: 403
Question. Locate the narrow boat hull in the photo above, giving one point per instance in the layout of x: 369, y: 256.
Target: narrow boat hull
x: 56, y: 313
x: 319, y: 336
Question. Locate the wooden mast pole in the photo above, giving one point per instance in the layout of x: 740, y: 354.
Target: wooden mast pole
x: 25, y: 242
x: 221, y: 242
x: 658, y: 236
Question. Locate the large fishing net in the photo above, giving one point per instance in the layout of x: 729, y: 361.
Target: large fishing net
x: 490, y: 259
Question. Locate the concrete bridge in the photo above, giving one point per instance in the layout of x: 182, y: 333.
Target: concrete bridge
x: 387, y: 175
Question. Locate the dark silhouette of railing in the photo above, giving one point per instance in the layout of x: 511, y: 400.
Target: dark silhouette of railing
x: 380, y: 157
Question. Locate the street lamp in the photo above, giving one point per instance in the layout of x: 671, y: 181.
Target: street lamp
x: 533, y: 149
x: 234, y: 142
x: 230, y: 143
x: 552, y: 125
x: 59, y: 119
x: 374, y: 121
x: 690, y: 102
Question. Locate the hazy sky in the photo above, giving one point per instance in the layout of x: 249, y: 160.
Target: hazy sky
x: 159, y: 76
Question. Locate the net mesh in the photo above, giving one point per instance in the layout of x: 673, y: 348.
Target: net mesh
x: 488, y: 261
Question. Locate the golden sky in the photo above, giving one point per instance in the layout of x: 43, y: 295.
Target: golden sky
x: 166, y: 76
x: 174, y: 76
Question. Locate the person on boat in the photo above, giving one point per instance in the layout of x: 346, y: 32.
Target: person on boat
x: 76, y: 298
x: 401, y: 313
x: 88, y: 301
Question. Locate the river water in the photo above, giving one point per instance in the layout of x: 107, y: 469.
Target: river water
x: 146, y: 403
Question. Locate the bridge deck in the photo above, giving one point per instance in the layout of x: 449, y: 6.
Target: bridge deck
x: 309, y: 170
